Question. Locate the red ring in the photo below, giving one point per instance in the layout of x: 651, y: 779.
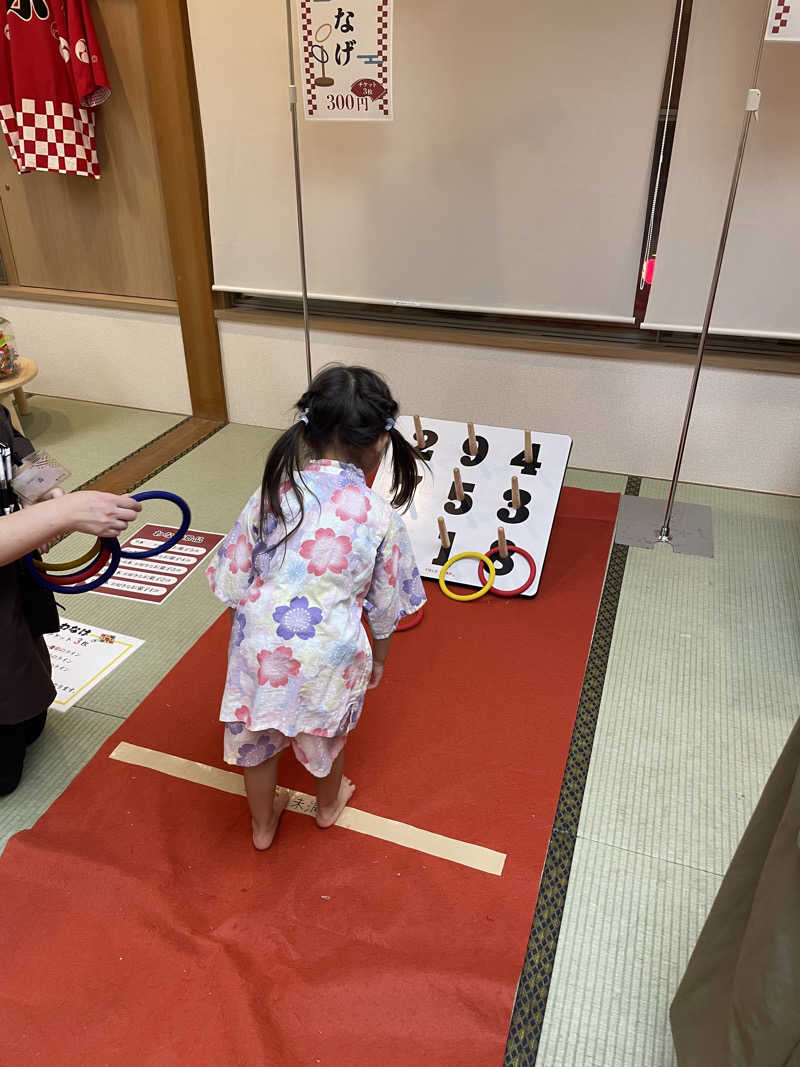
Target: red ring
x: 81, y: 576
x: 511, y: 550
x: 408, y: 622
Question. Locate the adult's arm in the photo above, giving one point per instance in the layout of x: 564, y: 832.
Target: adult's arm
x: 100, y: 514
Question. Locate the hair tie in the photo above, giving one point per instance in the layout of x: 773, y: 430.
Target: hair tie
x: 303, y: 417
x: 389, y: 424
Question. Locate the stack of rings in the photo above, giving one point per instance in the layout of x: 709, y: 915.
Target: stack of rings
x: 487, y: 584
x: 104, y: 556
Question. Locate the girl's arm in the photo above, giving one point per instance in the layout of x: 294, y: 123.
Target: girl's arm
x: 101, y: 514
x: 396, y: 590
x: 380, y: 650
x: 230, y: 573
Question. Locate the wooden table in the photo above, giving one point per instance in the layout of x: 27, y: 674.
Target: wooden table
x: 26, y: 372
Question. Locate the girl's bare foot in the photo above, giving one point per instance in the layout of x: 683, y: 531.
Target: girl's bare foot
x: 264, y: 834
x: 327, y: 816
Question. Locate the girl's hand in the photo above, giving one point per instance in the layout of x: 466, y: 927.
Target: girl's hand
x: 377, y: 674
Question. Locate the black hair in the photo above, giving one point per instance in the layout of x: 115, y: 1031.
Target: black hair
x: 348, y: 407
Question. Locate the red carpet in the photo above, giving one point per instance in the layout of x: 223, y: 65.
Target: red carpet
x: 140, y: 927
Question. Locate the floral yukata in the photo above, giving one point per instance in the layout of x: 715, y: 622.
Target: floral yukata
x: 299, y: 658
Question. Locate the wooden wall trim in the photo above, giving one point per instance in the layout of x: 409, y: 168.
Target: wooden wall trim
x: 639, y: 353
x: 173, y: 105
x: 7, y: 250
x: 132, y: 471
x: 100, y: 300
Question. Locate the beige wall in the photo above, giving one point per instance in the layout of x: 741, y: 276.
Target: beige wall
x: 623, y: 415
x: 110, y: 356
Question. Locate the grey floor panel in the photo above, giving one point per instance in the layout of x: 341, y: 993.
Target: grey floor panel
x: 629, y: 926
x: 69, y: 741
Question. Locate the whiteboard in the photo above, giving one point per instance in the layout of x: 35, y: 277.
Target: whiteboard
x: 757, y: 288
x: 513, y: 178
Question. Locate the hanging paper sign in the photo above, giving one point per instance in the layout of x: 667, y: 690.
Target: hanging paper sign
x: 784, y: 21
x: 347, y: 59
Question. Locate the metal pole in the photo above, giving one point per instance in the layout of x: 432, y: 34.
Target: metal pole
x: 298, y: 189
x: 751, y: 108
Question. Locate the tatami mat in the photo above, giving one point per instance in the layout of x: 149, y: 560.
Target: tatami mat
x: 629, y: 925
x: 702, y: 686
x: 700, y: 694
x: 597, y: 480
x: 87, y: 438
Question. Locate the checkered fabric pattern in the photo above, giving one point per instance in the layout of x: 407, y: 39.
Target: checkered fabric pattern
x: 780, y: 19
x: 383, y: 52
x: 308, y: 58
x: 58, y: 137
x: 8, y: 124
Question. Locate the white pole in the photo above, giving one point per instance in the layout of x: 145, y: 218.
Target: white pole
x: 751, y: 108
x: 301, y: 241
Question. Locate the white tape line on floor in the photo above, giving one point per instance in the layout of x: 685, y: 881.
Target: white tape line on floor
x: 362, y: 822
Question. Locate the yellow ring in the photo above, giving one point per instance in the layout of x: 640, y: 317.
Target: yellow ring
x: 467, y: 596
x: 43, y: 565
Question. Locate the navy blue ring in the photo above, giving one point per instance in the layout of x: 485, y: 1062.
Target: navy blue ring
x: 158, y: 494
x: 111, y: 543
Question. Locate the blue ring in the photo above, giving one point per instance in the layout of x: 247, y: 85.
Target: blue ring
x: 111, y: 543
x: 157, y: 494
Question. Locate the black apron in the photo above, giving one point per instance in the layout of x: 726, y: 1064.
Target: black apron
x: 26, y: 612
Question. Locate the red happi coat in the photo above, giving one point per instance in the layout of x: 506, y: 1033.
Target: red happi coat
x: 52, y: 76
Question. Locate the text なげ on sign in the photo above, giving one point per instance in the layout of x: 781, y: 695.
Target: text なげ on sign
x: 346, y: 54
x: 153, y: 579
x: 81, y: 655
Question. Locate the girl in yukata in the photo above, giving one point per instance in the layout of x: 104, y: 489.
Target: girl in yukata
x: 311, y: 550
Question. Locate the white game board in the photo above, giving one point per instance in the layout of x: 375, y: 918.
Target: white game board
x: 472, y: 523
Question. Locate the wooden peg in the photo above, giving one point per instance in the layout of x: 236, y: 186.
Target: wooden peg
x: 444, y: 536
x: 528, y: 448
x: 458, y: 483
x: 515, y: 498
x: 473, y: 440
x: 419, y: 433
x: 502, y: 547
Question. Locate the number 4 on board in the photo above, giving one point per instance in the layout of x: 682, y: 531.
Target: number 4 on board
x: 528, y: 468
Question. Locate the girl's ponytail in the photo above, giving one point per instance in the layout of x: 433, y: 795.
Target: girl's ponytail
x: 283, y: 465
x: 405, y: 478
x: 345, y: 407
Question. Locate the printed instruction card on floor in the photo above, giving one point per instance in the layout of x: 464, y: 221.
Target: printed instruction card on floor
x: 153, y: 579
x: 81, y: 655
